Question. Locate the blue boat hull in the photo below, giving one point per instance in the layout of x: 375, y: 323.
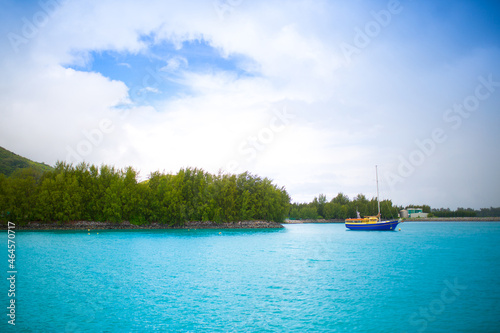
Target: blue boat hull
x: 385, y: 225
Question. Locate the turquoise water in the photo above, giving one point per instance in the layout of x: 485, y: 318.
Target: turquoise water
x: 430, y: 277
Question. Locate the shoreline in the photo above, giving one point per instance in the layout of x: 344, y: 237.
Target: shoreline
x: 453, y: 219
x: 126, y: 225
x: 85, y: 225
x: 313, y: 221
x: 427, y: 219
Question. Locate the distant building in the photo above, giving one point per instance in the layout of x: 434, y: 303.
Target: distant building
x: 415, y: 212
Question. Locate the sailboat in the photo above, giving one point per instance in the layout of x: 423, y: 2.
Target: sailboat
x: 372, y: 222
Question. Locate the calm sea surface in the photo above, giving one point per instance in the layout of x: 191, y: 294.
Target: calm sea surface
x: 429, y: 277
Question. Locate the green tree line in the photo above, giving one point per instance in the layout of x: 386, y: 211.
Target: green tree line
x: 489, y: 212
x: 341, y: 207
x: 91, y: 193
x: 459, y: 212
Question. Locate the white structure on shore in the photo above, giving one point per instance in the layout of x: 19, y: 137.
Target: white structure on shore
x: 413, y: 212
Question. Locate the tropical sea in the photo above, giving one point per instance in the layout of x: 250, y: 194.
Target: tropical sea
x: 428, y: 277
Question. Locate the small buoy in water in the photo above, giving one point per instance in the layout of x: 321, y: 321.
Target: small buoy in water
x: 399, y: 229
x: 88, y: 234
x: 220, y: 233
x: 98, y: 233
x: 88, y: 229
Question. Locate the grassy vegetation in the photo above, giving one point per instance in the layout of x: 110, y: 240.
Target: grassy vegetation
x: 10, y: 162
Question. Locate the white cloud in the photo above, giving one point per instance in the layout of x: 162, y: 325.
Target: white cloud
x: 175, y: 63
x: 45, y: 109
x: 347, y: 118
x: 150, y: 89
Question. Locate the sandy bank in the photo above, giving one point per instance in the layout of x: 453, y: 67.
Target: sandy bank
x: 429, y: 219
x: 314, y: 221
x: 454, y: 219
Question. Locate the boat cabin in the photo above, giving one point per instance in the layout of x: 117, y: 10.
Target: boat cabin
x: 364, y: 220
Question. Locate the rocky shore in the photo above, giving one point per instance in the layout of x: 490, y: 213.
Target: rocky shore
x: 85, y: 225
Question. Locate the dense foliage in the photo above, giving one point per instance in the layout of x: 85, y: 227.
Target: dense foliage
x: 341, y: 207
x: 488, y: 212
x: 10, y: 162
x: 31, y: 191
x: 460, y: 212
x: 87, y: 192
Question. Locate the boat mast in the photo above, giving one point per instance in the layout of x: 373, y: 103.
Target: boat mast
x: 378, y: 200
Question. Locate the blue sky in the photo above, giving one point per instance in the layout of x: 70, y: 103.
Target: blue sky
x: 156, y: 68
x: 312, y: 94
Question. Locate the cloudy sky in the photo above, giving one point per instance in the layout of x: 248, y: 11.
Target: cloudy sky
x: 312, y: 94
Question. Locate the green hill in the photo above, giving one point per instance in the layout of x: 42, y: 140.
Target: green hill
x: 10, y: 162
